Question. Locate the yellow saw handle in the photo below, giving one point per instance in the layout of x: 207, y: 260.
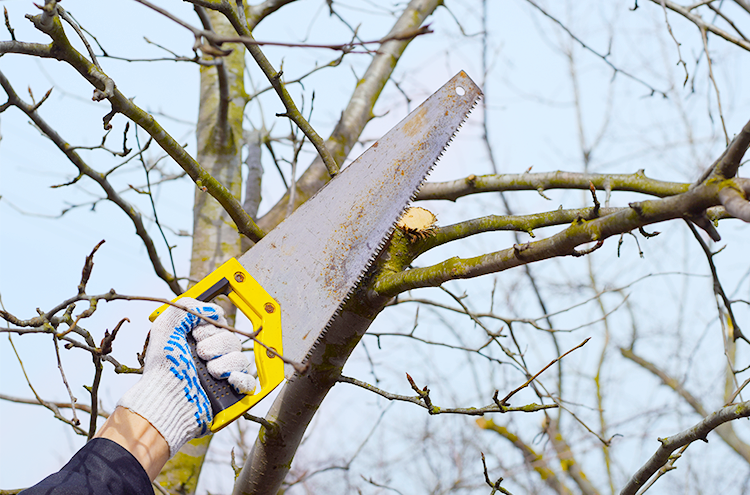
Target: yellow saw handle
x: 232, y: 280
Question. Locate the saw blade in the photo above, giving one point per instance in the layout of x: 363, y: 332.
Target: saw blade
x: 312, y: 262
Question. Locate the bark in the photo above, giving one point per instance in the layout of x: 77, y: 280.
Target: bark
x: 215, y: 236
x: 563, y: 243
x: 300, y: 398
x: 291, y: 413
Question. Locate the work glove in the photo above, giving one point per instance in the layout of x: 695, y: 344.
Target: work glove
x: 169, y: 394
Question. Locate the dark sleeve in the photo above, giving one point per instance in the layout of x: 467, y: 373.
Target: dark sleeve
x: 101, y: 467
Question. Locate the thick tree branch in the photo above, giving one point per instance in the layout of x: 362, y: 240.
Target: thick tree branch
x: 735, y: 203
x: 257, y: 13
x: 562, y: 244
x: 637, y: 182
x: 669, y: 444
x: 729, y: 162
x: 34, y: 49
x: 744, y: 4
x: 274, y: 77
x: 515, y: 223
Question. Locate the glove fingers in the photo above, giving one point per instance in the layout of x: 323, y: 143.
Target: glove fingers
x: 244, y: 383
x: 223, y: 366
x: 233, y: 367
x: 216, y: 345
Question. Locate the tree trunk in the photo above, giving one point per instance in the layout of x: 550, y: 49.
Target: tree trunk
x: 215, y: 236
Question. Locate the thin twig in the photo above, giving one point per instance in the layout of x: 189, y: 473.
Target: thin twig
x: 69, y: 19
x: 432, y: 409
x: 249, y: 40
x: 114, y: 296
x: 61, y: 405
x: 49, y: 405
x: 704, y: 37
x: 150, y: 195
x: 718, y: 288
x: 680, y: 61
x: 100, y: 179
x: 591, y: 50
x: 73, y: 400
x: 513, y: 392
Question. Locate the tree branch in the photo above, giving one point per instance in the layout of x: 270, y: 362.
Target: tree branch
x: 703, y: 25
x: 561, y: 244
x: 699, y: 431
x: 274, y: 77
x: 637, y: 182
x: 515, y: 223
x: 604, y: 57
x: 730, y: 161
x: 99, y: 178
x: 358, y: 111
x: 725, y: 432
x: 105, y: 88
x: 60, y: 405
x: 736, y: 203
x: 259, y: 12
x: 432, y: 409
x: 568, y: 461
x: 536, y: 461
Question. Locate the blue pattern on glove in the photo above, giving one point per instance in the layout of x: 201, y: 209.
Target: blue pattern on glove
x: 178, y: 353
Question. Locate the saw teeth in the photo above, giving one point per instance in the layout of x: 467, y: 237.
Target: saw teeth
x: 387, y: 236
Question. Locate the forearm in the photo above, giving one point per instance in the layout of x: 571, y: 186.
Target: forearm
x: 137, y: 436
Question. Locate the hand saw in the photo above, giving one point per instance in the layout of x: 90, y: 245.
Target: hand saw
x: 301, y: 273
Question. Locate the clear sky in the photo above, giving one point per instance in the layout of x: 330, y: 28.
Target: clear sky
x: 531, y: 120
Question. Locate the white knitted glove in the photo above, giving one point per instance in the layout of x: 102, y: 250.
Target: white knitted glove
x: 169, y: 395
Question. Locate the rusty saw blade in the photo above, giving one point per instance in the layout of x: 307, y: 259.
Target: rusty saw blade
x: 311, y: 262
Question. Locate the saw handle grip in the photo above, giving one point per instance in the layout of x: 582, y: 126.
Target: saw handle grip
x: 264, y: 313
x: 220, y: 393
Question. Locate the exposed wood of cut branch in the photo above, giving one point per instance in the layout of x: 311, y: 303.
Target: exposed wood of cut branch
x: 299, y: 399
x: 562, y: 244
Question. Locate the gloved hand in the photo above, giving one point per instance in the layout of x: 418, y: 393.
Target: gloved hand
x: 169, y: 395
